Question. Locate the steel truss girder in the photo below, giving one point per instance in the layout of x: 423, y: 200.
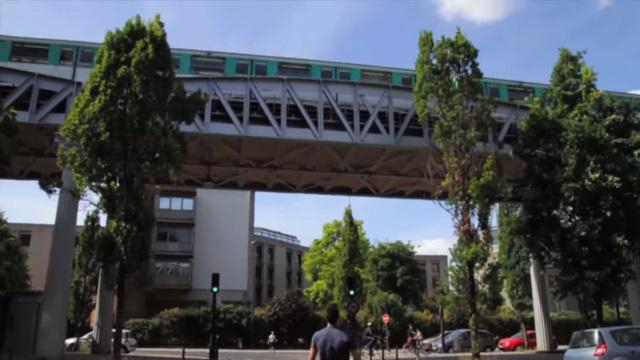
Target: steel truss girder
x: 323, y: 136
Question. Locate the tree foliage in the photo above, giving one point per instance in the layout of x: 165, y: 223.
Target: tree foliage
x: 341, y: 252
x: 84, y: 283
x: 448, y: 88
x: 123, y: 134
x: 8, y: 133
x: 289, y: 316
x: 580, y: 183
x: 14, y: 272
x: 393, y: 268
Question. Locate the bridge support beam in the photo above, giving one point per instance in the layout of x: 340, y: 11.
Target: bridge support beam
x: 633, y: 290
x: 544, y: 335
x: 104, y: 314
x: 53, y: 313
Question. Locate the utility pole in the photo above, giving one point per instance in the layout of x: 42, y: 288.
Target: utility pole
x: 213, y: 331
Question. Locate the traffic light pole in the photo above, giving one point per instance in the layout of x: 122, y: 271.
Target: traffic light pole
x: 213, y: 331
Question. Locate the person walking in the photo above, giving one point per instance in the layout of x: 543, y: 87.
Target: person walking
x: 271, y: 341
x: 332, y: 343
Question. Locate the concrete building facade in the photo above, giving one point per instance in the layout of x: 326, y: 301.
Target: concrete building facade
x: 436, y: 270
x: 276, y: 265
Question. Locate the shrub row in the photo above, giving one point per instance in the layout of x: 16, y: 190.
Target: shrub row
x: 190, y: 327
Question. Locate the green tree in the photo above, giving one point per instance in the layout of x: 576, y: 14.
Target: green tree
x: 8, y: 133
x: 448, y: 88
x: 393, y: 268
x: 340, y: 252
x: 289, y: 316
x: 123, y: 134
x: 514, y: 258
x: 85, y: 273
x: 580, y: 183
x: 14, y: 272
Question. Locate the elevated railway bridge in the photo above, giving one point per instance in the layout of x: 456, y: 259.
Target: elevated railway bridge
x: 270, y: 124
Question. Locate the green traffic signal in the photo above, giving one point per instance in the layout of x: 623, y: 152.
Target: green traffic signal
x: 352, y: 292
x: 215, y: 289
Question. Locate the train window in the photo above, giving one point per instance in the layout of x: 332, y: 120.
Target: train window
x: 175, y: 61
x: 406, y: 80
x: 207, y: 65
x: 376, y: 77
x: 261, y: 69
x: 519, y: 93
x: 86, y: 57
x: 326, y: 73
x: 494, y: 92
x: 242, y: 67
x: 344, y: 74
x: 66, y: 56
x: 33, y: 53
x: 296, y: 70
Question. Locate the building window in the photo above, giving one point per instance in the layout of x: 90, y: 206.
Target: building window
x: 66, y: 56
x: 25, y: 239
x: 258, y: 274
x: 261, y: 69
x: 406, y: 80
x: 207, y: 65
x: 326, y: 73
x: 259, y: 254
x: 295, y: 70
x: 344, y: 74
x: 32, y: 53
x: 288, y: 280
x: 175, y: 203
x: 270, y: 275
x: 519, y: 94
x: 299, y: 260
x: 270, y: 254
x: 289, y: 259
x: 242, y: 67
x: 376, y: 77
x: 299, y: 279
x: 270, y: 291
x: 86, y: 57
x: 435, y: 268
x: 175, y: 61
x: 174, y: 234
x: 494, y: 92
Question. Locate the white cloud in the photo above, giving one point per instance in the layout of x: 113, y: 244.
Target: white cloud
x: 637, y: 92
x: 435, y: 246
x: 605, y: 3
x: 478, y: 11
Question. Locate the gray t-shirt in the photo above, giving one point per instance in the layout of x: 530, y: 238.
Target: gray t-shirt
x: 332, y: 343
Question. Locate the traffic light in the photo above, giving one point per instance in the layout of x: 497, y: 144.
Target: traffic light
x: 352, y: 288
x: 215, y: 283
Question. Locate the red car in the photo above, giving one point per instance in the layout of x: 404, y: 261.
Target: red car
x: 516, y: 342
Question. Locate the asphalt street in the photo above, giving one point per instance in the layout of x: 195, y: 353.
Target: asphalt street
x: 224, y: 354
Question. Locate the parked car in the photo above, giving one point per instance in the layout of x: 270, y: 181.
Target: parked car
x: 427, y: 344
x: 605, y: 343
x: 129, y: 343
x: 516, y: 341
x: 460, y: 341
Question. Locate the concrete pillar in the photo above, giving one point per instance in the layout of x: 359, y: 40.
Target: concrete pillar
x: 53, y: 314
x: 544, y: 335
x: 633, y: 289
x: 104, y: 315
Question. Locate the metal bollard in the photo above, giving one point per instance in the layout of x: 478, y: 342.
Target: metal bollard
x: 396, y: 353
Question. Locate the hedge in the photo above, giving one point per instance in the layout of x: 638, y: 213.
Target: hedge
x: 190, y: 326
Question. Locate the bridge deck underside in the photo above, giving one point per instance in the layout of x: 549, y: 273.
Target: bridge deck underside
x: 272, y: 134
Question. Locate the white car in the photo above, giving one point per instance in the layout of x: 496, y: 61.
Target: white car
x: 129, y: 343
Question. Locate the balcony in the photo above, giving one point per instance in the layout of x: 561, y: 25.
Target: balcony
x: 171, y: 274
x: 173, y: 239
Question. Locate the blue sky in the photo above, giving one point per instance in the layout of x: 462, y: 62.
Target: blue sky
x: 518, y: 39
